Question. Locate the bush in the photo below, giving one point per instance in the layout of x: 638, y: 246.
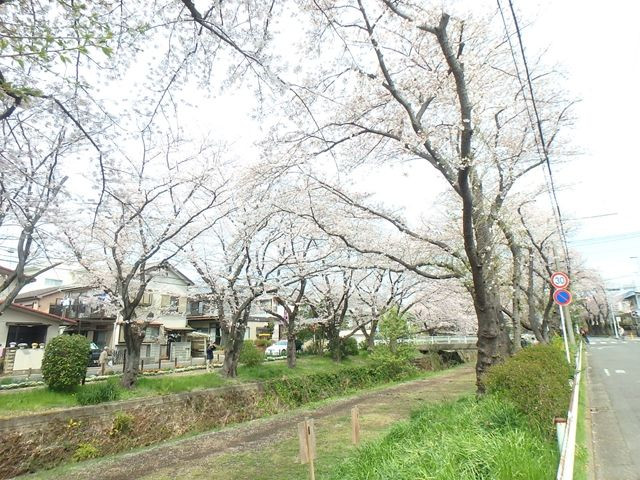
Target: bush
x: 394, y: 362
x: 349, y: 347
x: 99, y: 392
x: 536, y: 381
x: 122, y: 423
x: 299, y: 390
x: 262, y: 342
x: 250, y: 355
x: 85, y: 451
x: 65, y: 362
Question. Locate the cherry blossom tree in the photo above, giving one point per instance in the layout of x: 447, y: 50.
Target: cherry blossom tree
x: 444, y: 92
x: 238, y: 261
x: 30, y: 188
x: 153, y: 208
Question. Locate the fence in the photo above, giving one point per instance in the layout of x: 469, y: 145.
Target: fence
x: 568, y: 452
x: 443, y: 339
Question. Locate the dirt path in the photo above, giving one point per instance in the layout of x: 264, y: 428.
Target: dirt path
x: 179, y: 458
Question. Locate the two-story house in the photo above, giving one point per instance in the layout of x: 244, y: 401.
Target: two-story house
x: 203, y: 317
x: 79, y: 303
x: 167, y: 337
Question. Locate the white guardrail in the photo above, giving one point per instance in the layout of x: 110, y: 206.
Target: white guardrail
x: 443, y: 339
x: 568, y: 452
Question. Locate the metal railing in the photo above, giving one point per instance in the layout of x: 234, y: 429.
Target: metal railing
x: 443, y: 339
x: 568, y: 452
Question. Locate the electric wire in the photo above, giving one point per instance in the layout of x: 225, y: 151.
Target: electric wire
x: 537, y: 124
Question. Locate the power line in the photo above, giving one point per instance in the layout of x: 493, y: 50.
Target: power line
x: 537, y: 124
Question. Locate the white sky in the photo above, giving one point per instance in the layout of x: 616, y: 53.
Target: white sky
x: 598, y: 45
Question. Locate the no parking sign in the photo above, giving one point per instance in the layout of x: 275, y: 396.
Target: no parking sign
x: 562, y: 297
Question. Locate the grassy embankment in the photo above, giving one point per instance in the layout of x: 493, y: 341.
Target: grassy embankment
x: 40, y: 399
x: 505, y: 435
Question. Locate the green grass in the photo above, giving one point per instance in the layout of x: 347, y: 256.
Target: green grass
x: 34, y: 400
x: 149, y: 386
x: 468, y: 439
x: 41, y: 399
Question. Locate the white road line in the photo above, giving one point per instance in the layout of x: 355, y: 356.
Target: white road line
x: 606, y: 372
x: 620, y: 371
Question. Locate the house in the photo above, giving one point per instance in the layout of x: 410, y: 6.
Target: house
x: 168, y: 336
x: 25, y: 331
x: 203, y: 318
x: 78, y: 303
x: 629, y: 309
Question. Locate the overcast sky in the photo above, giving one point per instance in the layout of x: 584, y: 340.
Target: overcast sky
x: 598, y: 45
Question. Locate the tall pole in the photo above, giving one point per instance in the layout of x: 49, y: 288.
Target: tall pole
x: 614, y: 327
x: 564, y: 333
x: 567, y: 313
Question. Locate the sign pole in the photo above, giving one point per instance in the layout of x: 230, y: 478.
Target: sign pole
x: 564, y: 334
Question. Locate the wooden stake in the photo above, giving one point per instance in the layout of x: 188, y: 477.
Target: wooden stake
x: 355, y: 425
x: 307, y: 438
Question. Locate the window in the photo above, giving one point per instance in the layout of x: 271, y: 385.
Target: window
x: 151, y: 334
x: 170, y: 303
x: 52, y: 282
x: 247, y: 333
x: 147, y: 298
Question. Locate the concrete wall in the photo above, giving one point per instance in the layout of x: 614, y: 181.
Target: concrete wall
x: 28, y: 358
x: 181, y: 351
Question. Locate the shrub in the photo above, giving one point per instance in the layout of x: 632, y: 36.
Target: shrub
x: 298, y: 390
x: 349, y: 347
x: 536, y: 381
x: 85, y: 451
x: 65, y: 362
x: 394, y: 363
x: 99, y: 392
x: 262, y: 342
x: 250, y: 355
x: 122, y: 423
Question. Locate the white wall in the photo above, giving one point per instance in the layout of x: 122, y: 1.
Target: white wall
x: 28, y: 358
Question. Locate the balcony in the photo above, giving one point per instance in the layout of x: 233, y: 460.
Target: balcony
x: 78, y: 311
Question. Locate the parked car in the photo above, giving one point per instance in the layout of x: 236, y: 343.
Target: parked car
x: 279, y: 349
x: 94, y: 355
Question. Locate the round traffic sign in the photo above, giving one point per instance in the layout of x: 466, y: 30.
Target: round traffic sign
x: 562, y: 296
x: 559, y: 280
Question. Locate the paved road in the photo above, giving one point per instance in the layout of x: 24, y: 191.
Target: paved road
x: 614, y: 392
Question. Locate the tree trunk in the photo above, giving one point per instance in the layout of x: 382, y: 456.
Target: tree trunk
x: 232, y: 353
x: 333, y: 335
x: 493, y: 340
x: 235, y: 339
x: 133, y: 337
x: 291, y: 346
x: 517, y: 297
